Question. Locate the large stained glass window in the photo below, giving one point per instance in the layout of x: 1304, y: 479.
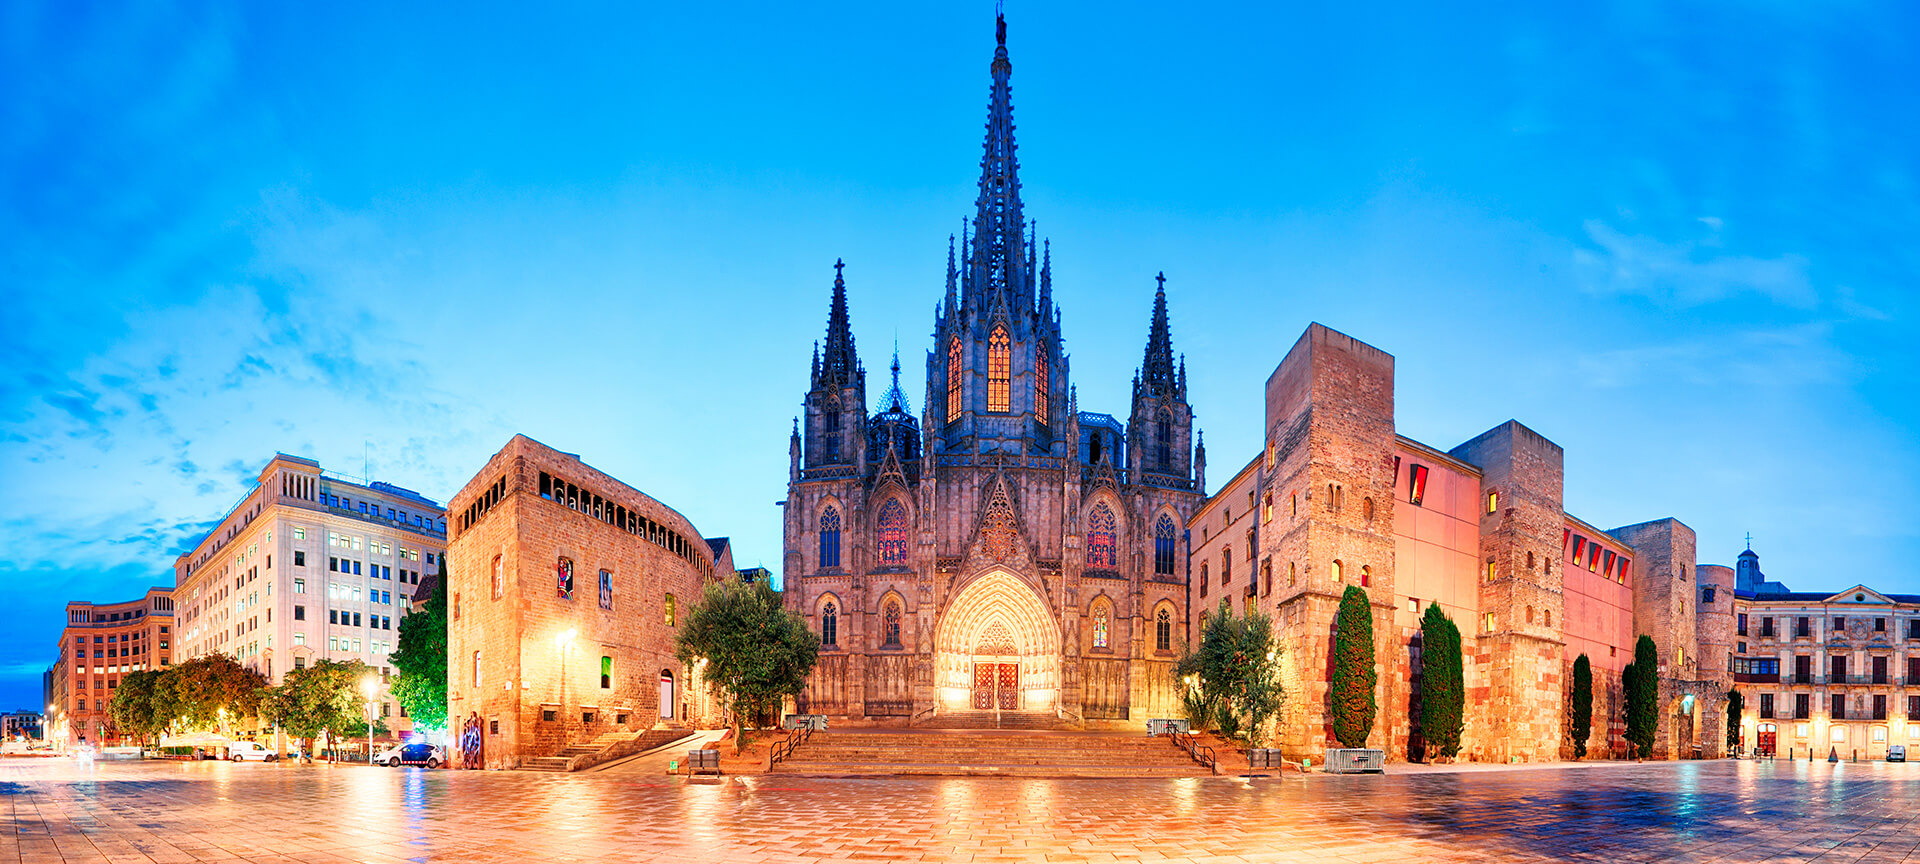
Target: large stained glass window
x: 1040, y: 382
x: 890, y: 624
x: 890, y: 532
x: 1164, y: 535
x: 953, y: 379
x: 830, y: 538
x: 1101, y: 622
x: 564, y: 572
x: 999, y: 370
x: 1102, y: 540
x: 606, y: 589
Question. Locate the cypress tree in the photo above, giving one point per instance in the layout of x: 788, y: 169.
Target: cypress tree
x: 1580, y: 718
x: 1351, y: 690
x: 1642, y: 686
x: 1736, y: 705
x: 1442, y: 683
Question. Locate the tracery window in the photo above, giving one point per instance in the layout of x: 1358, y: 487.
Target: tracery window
x: 890, y: 532
x: 1163, y: 631
x: 564, y: 572
x: 953, y: 379
x: 1163, y: 546
x: 999, y: 370
x: 1102, y: 539
x: 829, y: 625
x: 1163, y: 439
x: 890, y: 624
x: 1101, y: 623
x: 830, y: 538
x: 1040, y: 382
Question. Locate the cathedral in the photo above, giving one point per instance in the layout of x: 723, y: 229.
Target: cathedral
x: 1003, y: 558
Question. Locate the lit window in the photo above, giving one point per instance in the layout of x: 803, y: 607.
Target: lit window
x: 1489, y: 622
x: 606, y: 589
x: 890, y: 624
x: 672, y: 612
x: 1491, y: 570
x: 1493, y: 501
x: 1266, y: 509
x: 999, y: 370
x: 1102, y: 539
x: 953, y: 379
x: 1336, y: 571
x: 1417, y: 487
x: 1040, y: 382
x: 1100, y: 624
x: 606, y: 673
x: 564, y: 578
x: 890, y: 532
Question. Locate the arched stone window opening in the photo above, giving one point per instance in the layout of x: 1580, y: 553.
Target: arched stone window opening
x: 890, y: 533
x: 953, y: 379
x: 1102, y: 622
x: 890, y: 624
x: 1102, y: 539
x: 830, y: 538
x: 1164, y: 535
x: 999, y: 370
x: 1163, y: 630
x: 1040, y: 382
x: 830, y: 625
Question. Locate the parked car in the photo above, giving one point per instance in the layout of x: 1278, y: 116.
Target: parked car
x: 410, y: 754
x: 1897, y: 753
x: 250, y: 751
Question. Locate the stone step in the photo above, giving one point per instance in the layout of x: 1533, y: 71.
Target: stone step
x: 863, y: 769
x: 990, y: 753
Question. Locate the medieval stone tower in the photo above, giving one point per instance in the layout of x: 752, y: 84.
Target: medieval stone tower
x: 1003, y: 553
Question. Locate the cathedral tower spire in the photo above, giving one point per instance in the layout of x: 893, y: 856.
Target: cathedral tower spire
x: 836, y: 404
x: 995, y: 261
x: 839, y: 366
x: 1158, y: 375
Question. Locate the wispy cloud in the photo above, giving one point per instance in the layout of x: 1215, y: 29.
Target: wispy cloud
x: 1690, y: 272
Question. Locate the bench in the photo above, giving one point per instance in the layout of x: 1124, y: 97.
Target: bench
x: 703, y: 762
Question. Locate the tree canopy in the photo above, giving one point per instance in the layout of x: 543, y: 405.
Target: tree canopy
x: 1231, y: 680
x: 1351, y: 688
x: 136, y: 708
x: 211, y: 691
x: 421, y: 660
x: 1580, y: 706
x: 324, y: 697
x: 757, y: 653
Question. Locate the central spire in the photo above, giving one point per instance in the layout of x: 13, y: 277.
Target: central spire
x: 996, y: 266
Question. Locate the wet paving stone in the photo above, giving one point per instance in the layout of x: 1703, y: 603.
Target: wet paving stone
x: 190, y: 813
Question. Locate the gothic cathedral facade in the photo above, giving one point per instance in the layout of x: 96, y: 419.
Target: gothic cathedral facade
x: 1003, y: 557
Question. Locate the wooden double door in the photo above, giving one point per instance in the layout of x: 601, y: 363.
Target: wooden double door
x: 996, y: 685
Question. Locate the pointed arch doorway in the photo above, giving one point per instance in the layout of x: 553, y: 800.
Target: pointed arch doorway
x: 997, y: 647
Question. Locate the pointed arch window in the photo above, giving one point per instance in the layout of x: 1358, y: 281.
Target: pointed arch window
x: 1102, y: 624
x: 830, y: 538
x: 999, y: 370
x: 953, y: 379
x: 1163, y: 545
x: 830, y: 625
x: 890, y: 532
x: 890, y: 624
x: 1102, y: 539
x: 1040, y: 382
x: 1163, y: 631
x: 832, y: 434
x: 1163, y: 439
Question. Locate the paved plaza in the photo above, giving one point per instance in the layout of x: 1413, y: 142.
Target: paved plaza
x: 59, y: 811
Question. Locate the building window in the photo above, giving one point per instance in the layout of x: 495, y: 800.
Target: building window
x: 476, y: 669
x: 1491, y: 569
x: 1740, y: 624
x: 1266, y: 577
x: 999, y: 370
x: 1100, y: 625
x: 499, y: 577
x: 1337, y: 567
x: 671, y: 610
x: 1417, y: 485
x: 953, y: 379
x: 1040, y: 381
x: 1493, y: 502
x: 1366, y: 575
x: 1163, y: 632
x: 830, y: 538
x: 1102, y: 539
x: 890, y: 624
x: 890, y: 532
x: 1706, y: 593
x: 1163, y: 439
x: 829, y: 626
x: 1163, y: 545
x: 1226, y: 566
x: 606, y: 673
x: 606, y: 589
x: 1292, y: 574
x: 299, y: 558
x: 1766, y: 705
x: 1204, y: 579
x: 1489, y: 622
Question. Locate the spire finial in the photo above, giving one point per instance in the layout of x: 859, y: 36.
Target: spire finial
x: 1000, y: 22
x: 1749, y: 541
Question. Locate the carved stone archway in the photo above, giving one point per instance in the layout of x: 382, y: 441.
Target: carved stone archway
x: 997, y: 619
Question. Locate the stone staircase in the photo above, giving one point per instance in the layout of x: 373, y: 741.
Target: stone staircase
x: 629, y: 742
x: 989, y: 753
x: 989, y: 720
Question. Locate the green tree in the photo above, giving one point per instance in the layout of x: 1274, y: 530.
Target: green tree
x: 1736, y: 705
x: 1580, y: 706
x: 210, y: 692
x: 1232, y: 679
x: 1351, y: 688
x: 1443, y: 688
x: 421, y: 660
x: 757, y: 653
x: 323, y: 699
x: 1642, y: 684
x: 134, y: 707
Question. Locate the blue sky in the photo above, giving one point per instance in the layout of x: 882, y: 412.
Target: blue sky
x: 1676, y: 238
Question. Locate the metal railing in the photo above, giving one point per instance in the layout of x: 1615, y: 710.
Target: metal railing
x: 783, y: 749
x: 1190, y: 743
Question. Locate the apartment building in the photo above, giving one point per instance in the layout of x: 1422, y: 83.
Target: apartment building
x: 101, y: 643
